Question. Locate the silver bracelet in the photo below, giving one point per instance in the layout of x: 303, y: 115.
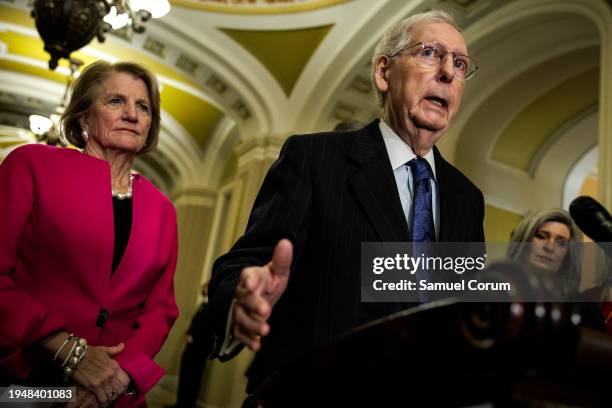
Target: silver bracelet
x: 62, y: 346
x: 77, y: 353
x: 70, y: 353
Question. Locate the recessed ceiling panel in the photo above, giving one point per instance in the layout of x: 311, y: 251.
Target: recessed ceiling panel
x: 531, y: 128
x: 198, y: 117
x: 285, y: 53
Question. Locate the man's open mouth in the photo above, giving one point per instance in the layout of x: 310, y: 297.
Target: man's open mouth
x: 441, y: 102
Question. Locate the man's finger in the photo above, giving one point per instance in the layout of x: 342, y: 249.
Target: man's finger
x: 252, y: 342
x: 251, y: 279
x: 256, y: 306
x: 249, y: 325
x: 281, y: 258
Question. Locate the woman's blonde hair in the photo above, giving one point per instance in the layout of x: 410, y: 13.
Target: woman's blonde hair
x: 526, y: 230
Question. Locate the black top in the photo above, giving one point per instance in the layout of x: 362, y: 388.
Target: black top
x: 122, y: 214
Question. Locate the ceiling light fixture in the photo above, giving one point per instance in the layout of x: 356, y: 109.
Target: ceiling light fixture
x: 68, y: 25
x: 47, y: 129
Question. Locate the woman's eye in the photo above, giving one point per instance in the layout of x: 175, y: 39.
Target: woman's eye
x: 143, y: 108
x: 562, y: 244
x: 114, y: 101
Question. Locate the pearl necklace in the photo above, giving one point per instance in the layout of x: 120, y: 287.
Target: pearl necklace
x: 127, y: 194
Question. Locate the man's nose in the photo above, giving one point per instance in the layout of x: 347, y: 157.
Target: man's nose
x: 447, y: 70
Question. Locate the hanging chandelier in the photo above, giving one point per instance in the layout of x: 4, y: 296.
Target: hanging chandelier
x: 68, y: 25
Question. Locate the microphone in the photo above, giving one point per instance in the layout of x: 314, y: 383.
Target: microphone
x: 594, y: 220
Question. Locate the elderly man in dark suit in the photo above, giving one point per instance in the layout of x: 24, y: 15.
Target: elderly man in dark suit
x: 292, y: 281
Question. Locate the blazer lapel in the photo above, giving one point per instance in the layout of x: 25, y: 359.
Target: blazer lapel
x: 375, y: 187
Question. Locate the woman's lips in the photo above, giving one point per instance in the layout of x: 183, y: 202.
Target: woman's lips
x: 545, y: 259
x: 128, y: 130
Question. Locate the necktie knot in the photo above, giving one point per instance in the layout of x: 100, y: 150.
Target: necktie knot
x: 420, y: 169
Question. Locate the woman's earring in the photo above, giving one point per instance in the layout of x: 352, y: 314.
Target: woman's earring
x: 84, y: 135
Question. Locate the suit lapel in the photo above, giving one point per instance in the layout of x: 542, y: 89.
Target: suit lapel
x: 375, y: 187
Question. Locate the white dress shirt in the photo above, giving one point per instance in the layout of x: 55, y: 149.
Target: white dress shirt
x: 399, y: 154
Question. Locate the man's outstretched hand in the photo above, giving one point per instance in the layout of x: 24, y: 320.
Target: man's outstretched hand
x: 258, y: 290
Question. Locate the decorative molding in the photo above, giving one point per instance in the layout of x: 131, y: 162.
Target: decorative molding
x: 258, y: 149
x: 155, y: 46
x: 537, y: 158
x: 257, y: 6
x: 194, y: 197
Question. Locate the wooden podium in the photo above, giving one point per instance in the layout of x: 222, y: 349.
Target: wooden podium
x: 451, y: 354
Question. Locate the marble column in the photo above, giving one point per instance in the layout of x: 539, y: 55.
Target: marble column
x: 194, y: 209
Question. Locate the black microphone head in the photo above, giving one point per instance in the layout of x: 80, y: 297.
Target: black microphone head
x: 592, y: 218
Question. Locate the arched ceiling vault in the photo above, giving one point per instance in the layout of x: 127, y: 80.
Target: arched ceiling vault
x: 530, y: 130
x: 232, y: 72
x: 183, y: 101
x: 531, y: 111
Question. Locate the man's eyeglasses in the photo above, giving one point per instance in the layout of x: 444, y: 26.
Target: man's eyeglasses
x: 433, y: 55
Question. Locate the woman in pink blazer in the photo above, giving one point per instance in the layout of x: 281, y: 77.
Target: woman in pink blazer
x: 88, y: 248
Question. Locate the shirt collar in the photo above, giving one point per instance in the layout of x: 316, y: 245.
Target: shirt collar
x: 399, y: 152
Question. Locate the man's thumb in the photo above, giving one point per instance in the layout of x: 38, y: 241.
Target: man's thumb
x: 282, y: 257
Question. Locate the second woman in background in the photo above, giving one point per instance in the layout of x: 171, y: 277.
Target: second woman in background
x: 553, y: 236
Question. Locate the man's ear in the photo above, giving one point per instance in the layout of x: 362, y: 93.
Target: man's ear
x: 381, y: 74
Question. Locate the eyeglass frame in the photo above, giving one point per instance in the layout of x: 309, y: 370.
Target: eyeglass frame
x: 443, y: 53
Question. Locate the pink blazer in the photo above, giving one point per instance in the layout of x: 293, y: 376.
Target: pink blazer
x: 56, y: 250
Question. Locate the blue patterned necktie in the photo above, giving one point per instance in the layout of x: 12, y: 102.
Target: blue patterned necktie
x: 422, y: 227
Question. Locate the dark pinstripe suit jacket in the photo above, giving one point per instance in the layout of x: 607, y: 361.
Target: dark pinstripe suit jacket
x: 327, y: 193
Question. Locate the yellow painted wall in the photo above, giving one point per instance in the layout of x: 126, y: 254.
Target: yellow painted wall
x: 589, y: 187
x: 499, y: 223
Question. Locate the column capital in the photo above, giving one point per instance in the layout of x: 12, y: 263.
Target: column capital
x: 194, y: 196
x: 259, y: 149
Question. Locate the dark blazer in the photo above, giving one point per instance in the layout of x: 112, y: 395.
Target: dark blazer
x: 328, y: 193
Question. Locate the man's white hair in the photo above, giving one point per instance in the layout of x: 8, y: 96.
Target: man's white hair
x: 399, y: 36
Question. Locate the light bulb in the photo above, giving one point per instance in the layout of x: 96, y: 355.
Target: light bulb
x: 116, y: 20
x: 40, y: 125
x: 157, y: 8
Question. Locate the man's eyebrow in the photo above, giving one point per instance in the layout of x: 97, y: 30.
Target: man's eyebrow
x: 447, y: 48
